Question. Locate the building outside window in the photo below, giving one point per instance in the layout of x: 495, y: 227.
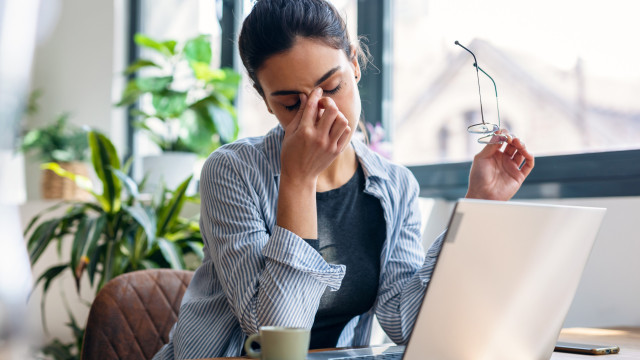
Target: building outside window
x: 566, y: 76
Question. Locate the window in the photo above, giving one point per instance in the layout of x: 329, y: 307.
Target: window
x: 566, y: 76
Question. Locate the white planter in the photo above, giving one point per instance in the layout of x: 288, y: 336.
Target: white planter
x: 172, y: 168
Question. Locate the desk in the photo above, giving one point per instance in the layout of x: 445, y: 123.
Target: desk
x: 627, y: 338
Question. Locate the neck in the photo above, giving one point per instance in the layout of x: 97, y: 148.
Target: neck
x: 339, y: 172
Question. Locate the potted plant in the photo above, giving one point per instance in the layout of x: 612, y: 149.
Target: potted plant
x: 115, y: 233
x: 186, y: 106
x: 64, y: 144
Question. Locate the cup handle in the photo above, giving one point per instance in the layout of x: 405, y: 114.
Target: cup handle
x: 247, y: 346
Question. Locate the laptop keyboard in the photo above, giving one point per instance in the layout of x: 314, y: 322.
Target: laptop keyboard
x: 387, y: 356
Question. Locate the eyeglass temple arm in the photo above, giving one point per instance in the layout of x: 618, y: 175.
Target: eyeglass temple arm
x: 494, y: 88
x: 478, y: 76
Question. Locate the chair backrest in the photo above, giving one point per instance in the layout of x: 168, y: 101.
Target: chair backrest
x: 133, y: 313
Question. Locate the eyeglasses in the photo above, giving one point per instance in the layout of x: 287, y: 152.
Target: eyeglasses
x: 489, y: 129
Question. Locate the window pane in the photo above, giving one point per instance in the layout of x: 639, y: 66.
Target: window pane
x: 566, y: 75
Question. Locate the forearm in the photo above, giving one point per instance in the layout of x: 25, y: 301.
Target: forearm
x: 399, y: 306
x: 297, y: 206
x: 285, y: 289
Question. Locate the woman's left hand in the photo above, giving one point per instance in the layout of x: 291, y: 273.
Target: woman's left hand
x: 497, y: 174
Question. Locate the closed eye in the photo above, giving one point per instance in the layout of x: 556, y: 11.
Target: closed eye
x: 293, y: 107
x: 334, y: 90
x: 328, y: 92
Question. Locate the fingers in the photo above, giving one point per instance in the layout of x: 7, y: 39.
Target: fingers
x: 327, y: 117
x: 333, y: 123
x: 528, y: 158
x: 520, y: 156
x: 491, y: 149
x: 298, y: 118
x: 310, y: 108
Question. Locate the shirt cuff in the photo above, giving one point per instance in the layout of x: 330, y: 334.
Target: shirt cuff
x: 290, y: 249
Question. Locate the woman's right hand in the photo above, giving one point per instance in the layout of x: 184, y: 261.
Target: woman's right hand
x: 314, y: 138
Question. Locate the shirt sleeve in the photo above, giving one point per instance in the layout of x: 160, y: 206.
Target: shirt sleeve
x: 407, y: 272
x: 269, y: 277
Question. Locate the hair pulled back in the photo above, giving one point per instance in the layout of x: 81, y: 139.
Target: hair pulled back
x: 273, y: 25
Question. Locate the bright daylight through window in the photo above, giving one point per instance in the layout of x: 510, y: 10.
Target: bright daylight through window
x: 566, y: 73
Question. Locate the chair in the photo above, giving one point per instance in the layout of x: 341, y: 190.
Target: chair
x: 133, y: 313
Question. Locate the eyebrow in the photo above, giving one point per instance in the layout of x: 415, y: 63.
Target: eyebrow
x: 320, y: 81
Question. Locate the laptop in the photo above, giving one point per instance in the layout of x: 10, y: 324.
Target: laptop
x: 502, y: 285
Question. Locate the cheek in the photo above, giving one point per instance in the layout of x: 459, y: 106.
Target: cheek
x: 351, y: 106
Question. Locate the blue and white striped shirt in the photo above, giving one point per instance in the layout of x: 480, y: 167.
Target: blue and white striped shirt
x: 255, y: 273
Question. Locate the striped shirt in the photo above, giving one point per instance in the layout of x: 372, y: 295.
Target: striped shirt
x: 255, y: 273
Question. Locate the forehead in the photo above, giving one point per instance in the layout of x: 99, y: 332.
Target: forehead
x: 299, y: 67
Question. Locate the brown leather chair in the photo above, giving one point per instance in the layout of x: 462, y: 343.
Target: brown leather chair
x: 132, y: 314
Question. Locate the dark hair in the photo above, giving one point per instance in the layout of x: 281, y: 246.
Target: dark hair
x: 273, y: 25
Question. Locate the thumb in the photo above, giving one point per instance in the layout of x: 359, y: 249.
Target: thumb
x: 501, y: 136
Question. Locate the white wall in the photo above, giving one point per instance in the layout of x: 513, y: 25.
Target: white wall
x: 75, y: 65
x: 609, y: 292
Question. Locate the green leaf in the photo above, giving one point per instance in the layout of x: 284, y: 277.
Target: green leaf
x: 105, y: 160
x: 154, y: 83
x: 40, y: 214
x: 146, y: 219
x: 203, y: 71
x: 59, y: 350
x: 218, y: 109
x: 171, y: 253
x: 139, y: 64
x: 199, y: 131
x: 31, y: 140
x: 228, y: 85
x: 150, y: 43
x: 169, y: 104
x: 85, y: 244
x: 41, y: 238
x: 226, y: 124
x: 128, y: 182
x: 130, y: 94
x: 148, y: 264
x: 170, y: 45
x: 50, y: 274
x: 196, y: 247
x: 198, y: 49
x: 79, y: 241
x: 94, y: 259
x: 127, y: 165
x: 169, y: 213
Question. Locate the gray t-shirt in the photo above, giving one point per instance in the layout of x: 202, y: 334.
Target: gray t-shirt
x: 351, y: 232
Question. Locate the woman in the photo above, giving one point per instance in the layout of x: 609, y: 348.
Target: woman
x: 306, y: 227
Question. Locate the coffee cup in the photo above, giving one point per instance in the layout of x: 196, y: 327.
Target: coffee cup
x: 279, y: 343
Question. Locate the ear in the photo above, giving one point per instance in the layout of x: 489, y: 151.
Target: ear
x: 356, y: 65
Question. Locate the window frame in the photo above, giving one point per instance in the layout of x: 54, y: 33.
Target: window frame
x: 601, y: 174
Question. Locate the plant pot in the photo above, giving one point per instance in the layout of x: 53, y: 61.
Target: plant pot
x: 57, y: 187
x: 170, y: 168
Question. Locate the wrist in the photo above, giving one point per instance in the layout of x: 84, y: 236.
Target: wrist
x: 296, y: 210
x: 300, y: 184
